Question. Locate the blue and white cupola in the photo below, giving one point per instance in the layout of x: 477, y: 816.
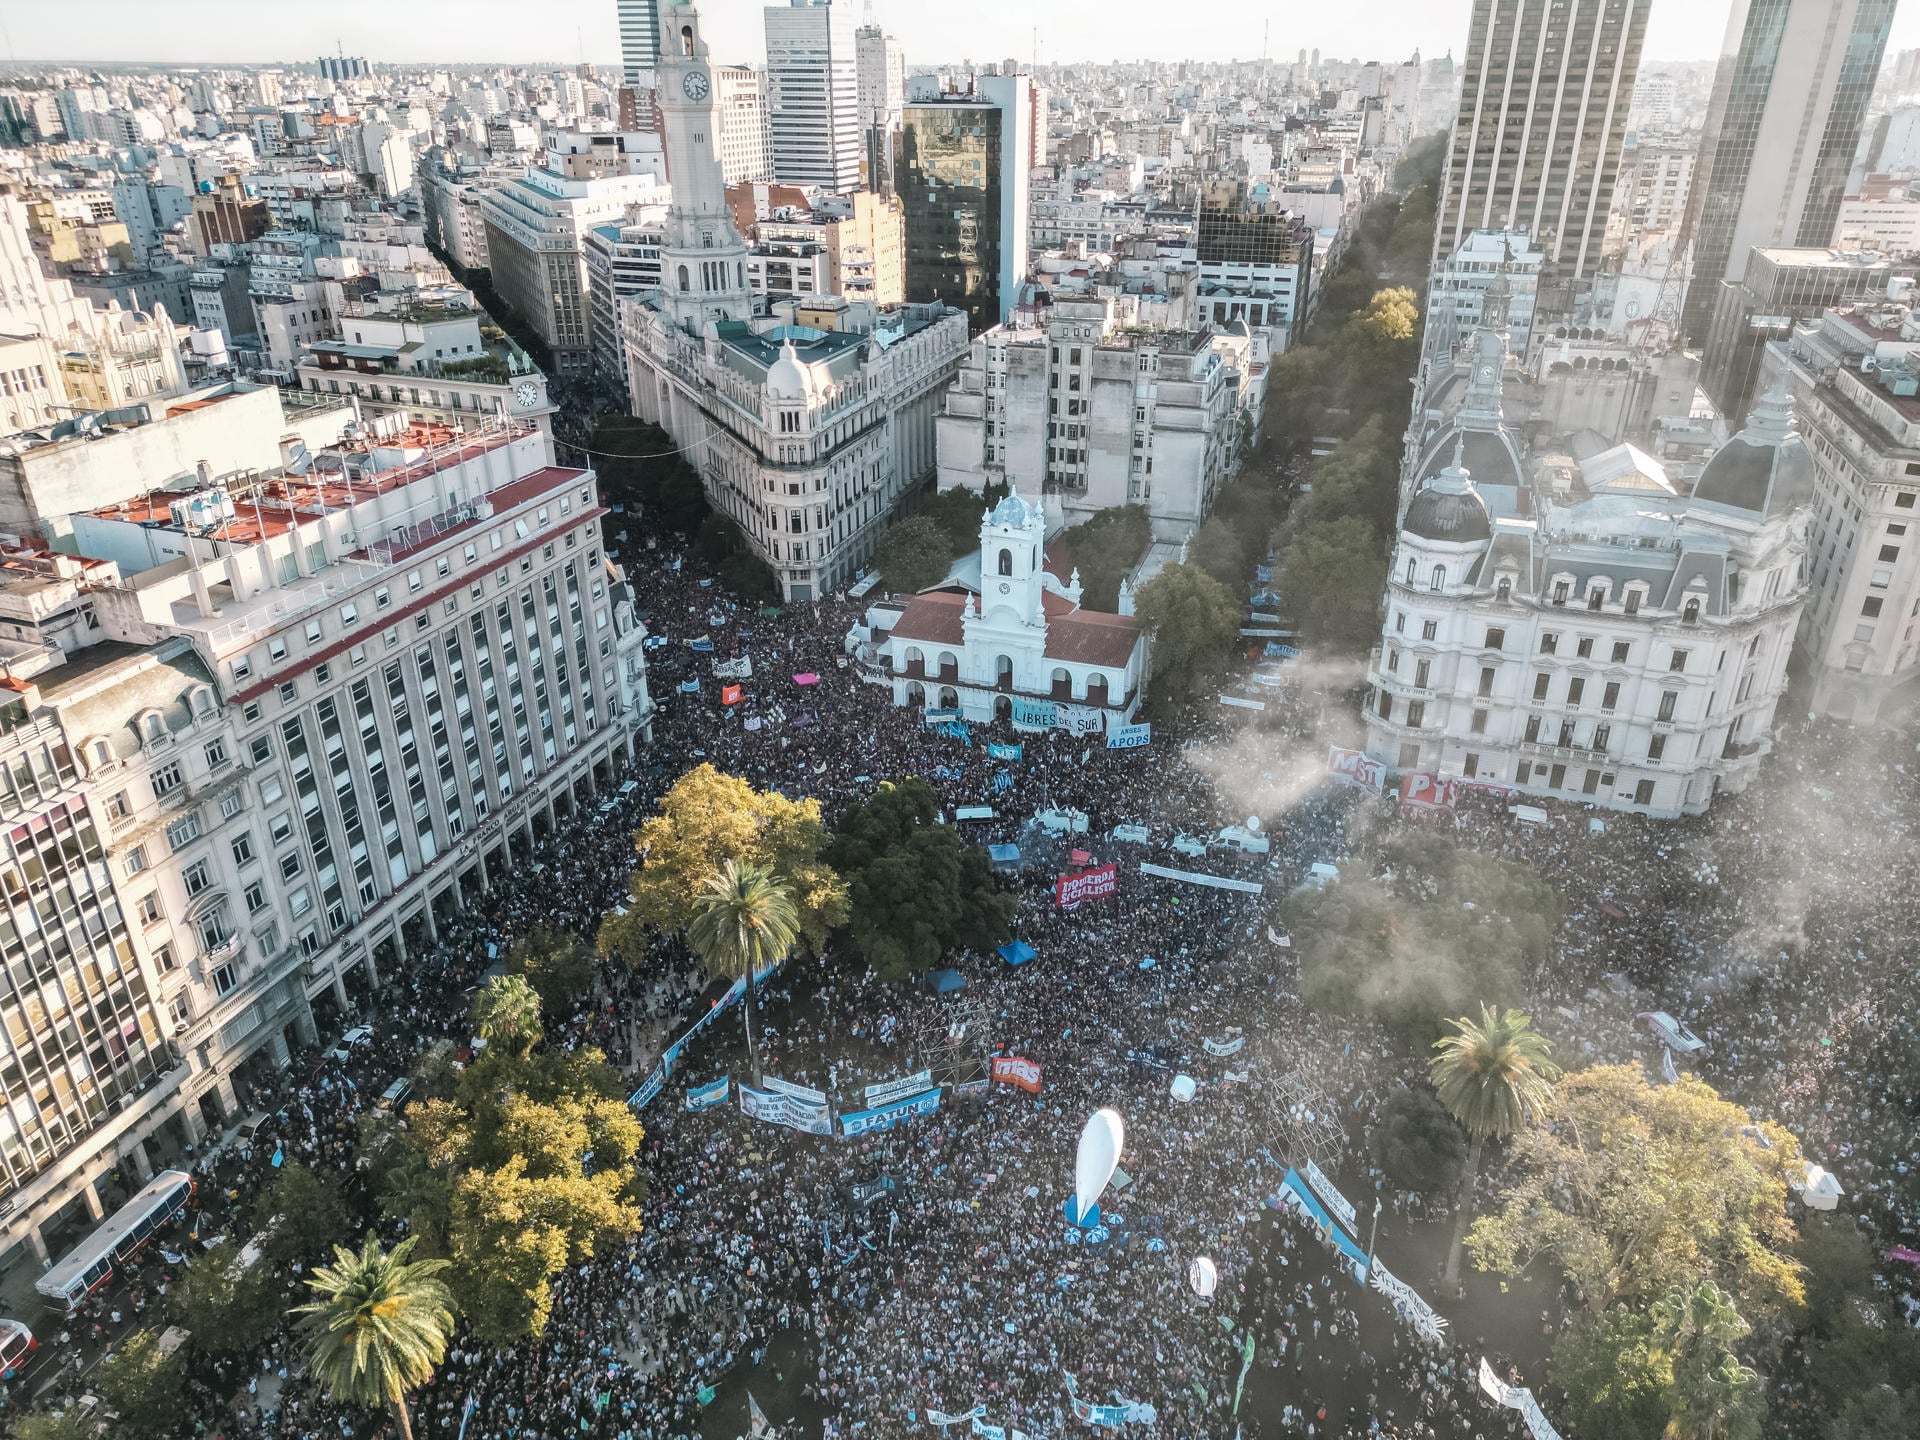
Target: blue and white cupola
x: 1012, y: 545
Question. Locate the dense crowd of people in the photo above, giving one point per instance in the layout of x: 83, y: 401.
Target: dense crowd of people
x: 880, y: 1285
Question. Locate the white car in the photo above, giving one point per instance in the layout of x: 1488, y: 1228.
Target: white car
x: 357, y: 1038
x: 1670, y: 1032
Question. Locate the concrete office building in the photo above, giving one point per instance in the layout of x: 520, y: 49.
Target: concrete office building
x: 813, y: 95
x: 1255, y: 258
x: 881, y: 62
x: 740, y: 111
x: 639, y: 41
x: 964, y: 188
x: 1543, y: 113
x: 1789, y: 99
x: 535, y: 225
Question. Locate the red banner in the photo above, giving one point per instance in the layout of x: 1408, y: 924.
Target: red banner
x: 1070, y: 890
x: 1352, y: 767
x: 1420, y: 790
x: 730, y: 695
x: 1013, y: 1070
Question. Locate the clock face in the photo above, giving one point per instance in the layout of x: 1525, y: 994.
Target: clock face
x: 527, y: 394
x: 695, y: 84
x: 1486, y: 372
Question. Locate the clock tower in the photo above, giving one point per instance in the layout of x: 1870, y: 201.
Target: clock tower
x: 703, y: 262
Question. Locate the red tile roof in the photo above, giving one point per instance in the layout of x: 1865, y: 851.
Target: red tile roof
x: 934, y: 616
x: 1090, y: 637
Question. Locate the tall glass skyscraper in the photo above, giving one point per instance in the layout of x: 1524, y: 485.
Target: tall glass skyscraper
x: 1782, y: 126
x: 1543, y: 112
x: 639, y: 41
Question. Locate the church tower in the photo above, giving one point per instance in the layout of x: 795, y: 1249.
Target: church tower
x: 1012, y: 537
x: 703, y: 262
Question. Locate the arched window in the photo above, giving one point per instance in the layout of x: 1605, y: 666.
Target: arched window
x: 1006, y: 562
x: 1691, y: 613
x: 1504, y: 590
x: 683, y: 279
x: 686, y: 40
x: 1439, y: 578
x: 1410, y: 564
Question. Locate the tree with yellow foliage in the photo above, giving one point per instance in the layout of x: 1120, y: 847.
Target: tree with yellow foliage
x: 1632, y: 1189
x: 707, y: 819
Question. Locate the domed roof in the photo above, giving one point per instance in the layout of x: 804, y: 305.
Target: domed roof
x: 1766, y: 469
x: 1016, y: 514
x: 1490, y: 456
x: 1453, y: 517
x: 789, y: 379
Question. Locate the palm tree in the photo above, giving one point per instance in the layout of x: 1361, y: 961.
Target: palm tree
x: 378, y: 1327
x: 1492, y: 1076
x: 506, y: 1012
x: 1712, y: 1395
x: 744, y: 919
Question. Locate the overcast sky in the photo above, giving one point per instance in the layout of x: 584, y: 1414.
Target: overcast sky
x: 569, y: 30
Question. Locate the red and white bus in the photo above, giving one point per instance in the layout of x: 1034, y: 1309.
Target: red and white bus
x: 119, y: 1237
x: 16, y: 1344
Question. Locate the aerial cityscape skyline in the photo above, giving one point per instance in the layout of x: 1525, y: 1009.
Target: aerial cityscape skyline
x: 729, y: 721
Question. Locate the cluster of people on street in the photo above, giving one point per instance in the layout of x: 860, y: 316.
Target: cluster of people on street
x: 883, y: 1284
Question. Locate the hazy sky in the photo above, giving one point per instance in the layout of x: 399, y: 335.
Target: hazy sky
x: 567, y: 30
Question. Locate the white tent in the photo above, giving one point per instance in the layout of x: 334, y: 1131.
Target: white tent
x: 1183, y: 1088
x: 1822, y: 1190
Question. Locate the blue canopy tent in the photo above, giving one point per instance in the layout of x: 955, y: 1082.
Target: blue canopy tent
x: 1007, y: 855
x: 945, y: 982
x: 1017, y: 952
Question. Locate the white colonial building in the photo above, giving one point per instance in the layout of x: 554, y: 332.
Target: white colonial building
x: 1587, y: 630
x: 807, y: 427
x: 1011, y: 643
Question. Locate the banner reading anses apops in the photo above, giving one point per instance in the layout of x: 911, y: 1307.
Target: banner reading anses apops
x: 808, y: 1116
x: 1128, y: 737
x: 1070, y: 890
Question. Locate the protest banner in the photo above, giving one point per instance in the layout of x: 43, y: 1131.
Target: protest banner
x: 1352, y: 767
x: 885, y: 1117
x: 1517, y: 1397
x: 891, y: 1090
x: 730, y: 695
x: 1003, y: 752
x: 1014, y: 1070
x: 788, y: 1110
x: 699, y: 1097
x: 1421, y: 790
x: 1071, y: 890
x: 1129, y: 737
x: 1330, y: 1196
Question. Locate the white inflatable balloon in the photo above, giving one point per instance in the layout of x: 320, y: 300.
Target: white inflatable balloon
x: 1203, y: 1277
x: 1100, y: 1145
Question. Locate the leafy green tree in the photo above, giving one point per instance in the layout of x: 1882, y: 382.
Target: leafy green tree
x: 506, y: 1013
x: 913, y: 555
x: 638, y: 465
x: 1614, y: 1376
x: 744, y: 920
x: 529, y: 1169
x: 1712, y: 1396
x: 1331, y: 577
x: 958, y: 513
x: 1881, y: 1413
x: 49, y: 1425
x: 916, y: 889
x: 1630, y: 1188
x: 1441, y: 928
x: 1359, y: 477
x: 224, y: 1309
x: 378, y: 1326
x: 143, y: 1387
x: 557, y: 964
x: 1104, y: 550
x: 300, y: 1216
x: 1193, y: 622
x: 707, y: 819
x: 1493, y: 1075
x: 1417, y: 1143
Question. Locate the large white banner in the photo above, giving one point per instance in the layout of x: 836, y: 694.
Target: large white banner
x: 1517, y: 1397
x: 796, y: 1114
x: 1082, y: 720
x: 1408, y: 1304
x: 798, y: 1092
x: 1330, y: 1196
x: 1195, y: 877
x: 877, y: 1095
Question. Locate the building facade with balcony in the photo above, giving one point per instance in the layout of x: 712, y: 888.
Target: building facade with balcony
x: 1083, y: 411
x: 271, y: 735
x: 1588, y: 632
